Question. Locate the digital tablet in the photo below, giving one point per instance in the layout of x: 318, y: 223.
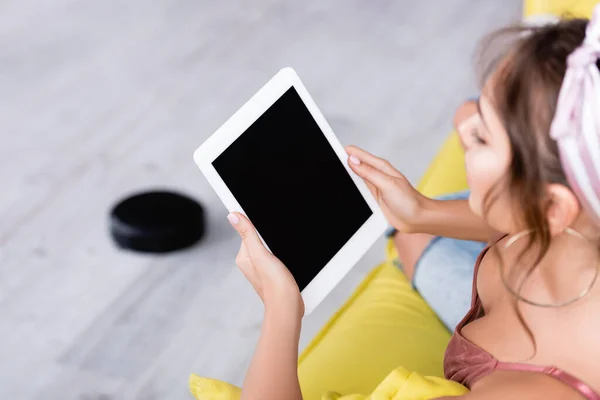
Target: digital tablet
x: 277, y: 161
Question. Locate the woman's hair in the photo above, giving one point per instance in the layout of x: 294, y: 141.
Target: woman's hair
x: 528, y: 65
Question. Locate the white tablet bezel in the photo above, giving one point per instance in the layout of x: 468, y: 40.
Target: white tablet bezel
x: 322, y: 284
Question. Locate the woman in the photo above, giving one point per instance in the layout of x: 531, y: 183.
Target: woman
x: 533, y: 166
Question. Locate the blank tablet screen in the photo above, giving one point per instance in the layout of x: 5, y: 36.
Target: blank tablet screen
x: 293, y: 187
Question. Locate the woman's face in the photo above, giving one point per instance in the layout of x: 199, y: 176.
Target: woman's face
x: 487, y: 160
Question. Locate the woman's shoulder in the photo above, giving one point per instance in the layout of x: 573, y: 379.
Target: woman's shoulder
x: 582, y: 352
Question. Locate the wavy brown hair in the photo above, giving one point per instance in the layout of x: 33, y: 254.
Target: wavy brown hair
x: 528, y: 65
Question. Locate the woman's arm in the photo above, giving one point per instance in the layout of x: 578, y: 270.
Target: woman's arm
x: 411, y: 212
x: 273, y: 372
x: 451, y: 218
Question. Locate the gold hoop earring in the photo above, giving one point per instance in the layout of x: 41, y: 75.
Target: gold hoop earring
x: 581, y: 295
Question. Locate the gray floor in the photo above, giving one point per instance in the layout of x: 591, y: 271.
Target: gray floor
x: 99, y: 98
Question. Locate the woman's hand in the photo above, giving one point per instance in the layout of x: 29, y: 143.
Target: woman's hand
x: 400, y: 202
x: 273, y: 373
x: 271, y: 279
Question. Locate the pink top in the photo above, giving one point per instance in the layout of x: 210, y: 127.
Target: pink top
x: 466, y: 363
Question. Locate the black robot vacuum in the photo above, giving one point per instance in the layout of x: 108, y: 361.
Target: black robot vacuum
x: 156, y: 222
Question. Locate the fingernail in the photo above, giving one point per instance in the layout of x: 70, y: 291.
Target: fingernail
x: 354, y: 160
x: 233, y: 219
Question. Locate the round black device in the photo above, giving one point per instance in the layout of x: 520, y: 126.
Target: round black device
x: 156, y: 222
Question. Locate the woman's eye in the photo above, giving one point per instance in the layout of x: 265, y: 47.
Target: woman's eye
x: 476, y: 137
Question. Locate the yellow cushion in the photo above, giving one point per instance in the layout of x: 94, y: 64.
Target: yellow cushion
x: 384, y: 324
x: 365, y: 340
x: 212, y: 389
x: 400, y: 384
x: 575, y: 8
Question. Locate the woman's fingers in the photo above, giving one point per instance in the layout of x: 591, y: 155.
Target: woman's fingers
x: 380, y: 180
x: 269, y: 277
x: 379, y: 163
x: 245, y: 265
x: 250, y: 238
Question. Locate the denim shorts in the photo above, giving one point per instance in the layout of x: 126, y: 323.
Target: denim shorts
x: 444, y: 274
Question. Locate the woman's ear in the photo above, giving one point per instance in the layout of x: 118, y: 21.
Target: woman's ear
x: 563, y: 210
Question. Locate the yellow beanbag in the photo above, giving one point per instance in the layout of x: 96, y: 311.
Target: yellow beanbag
x: 400, y: 384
